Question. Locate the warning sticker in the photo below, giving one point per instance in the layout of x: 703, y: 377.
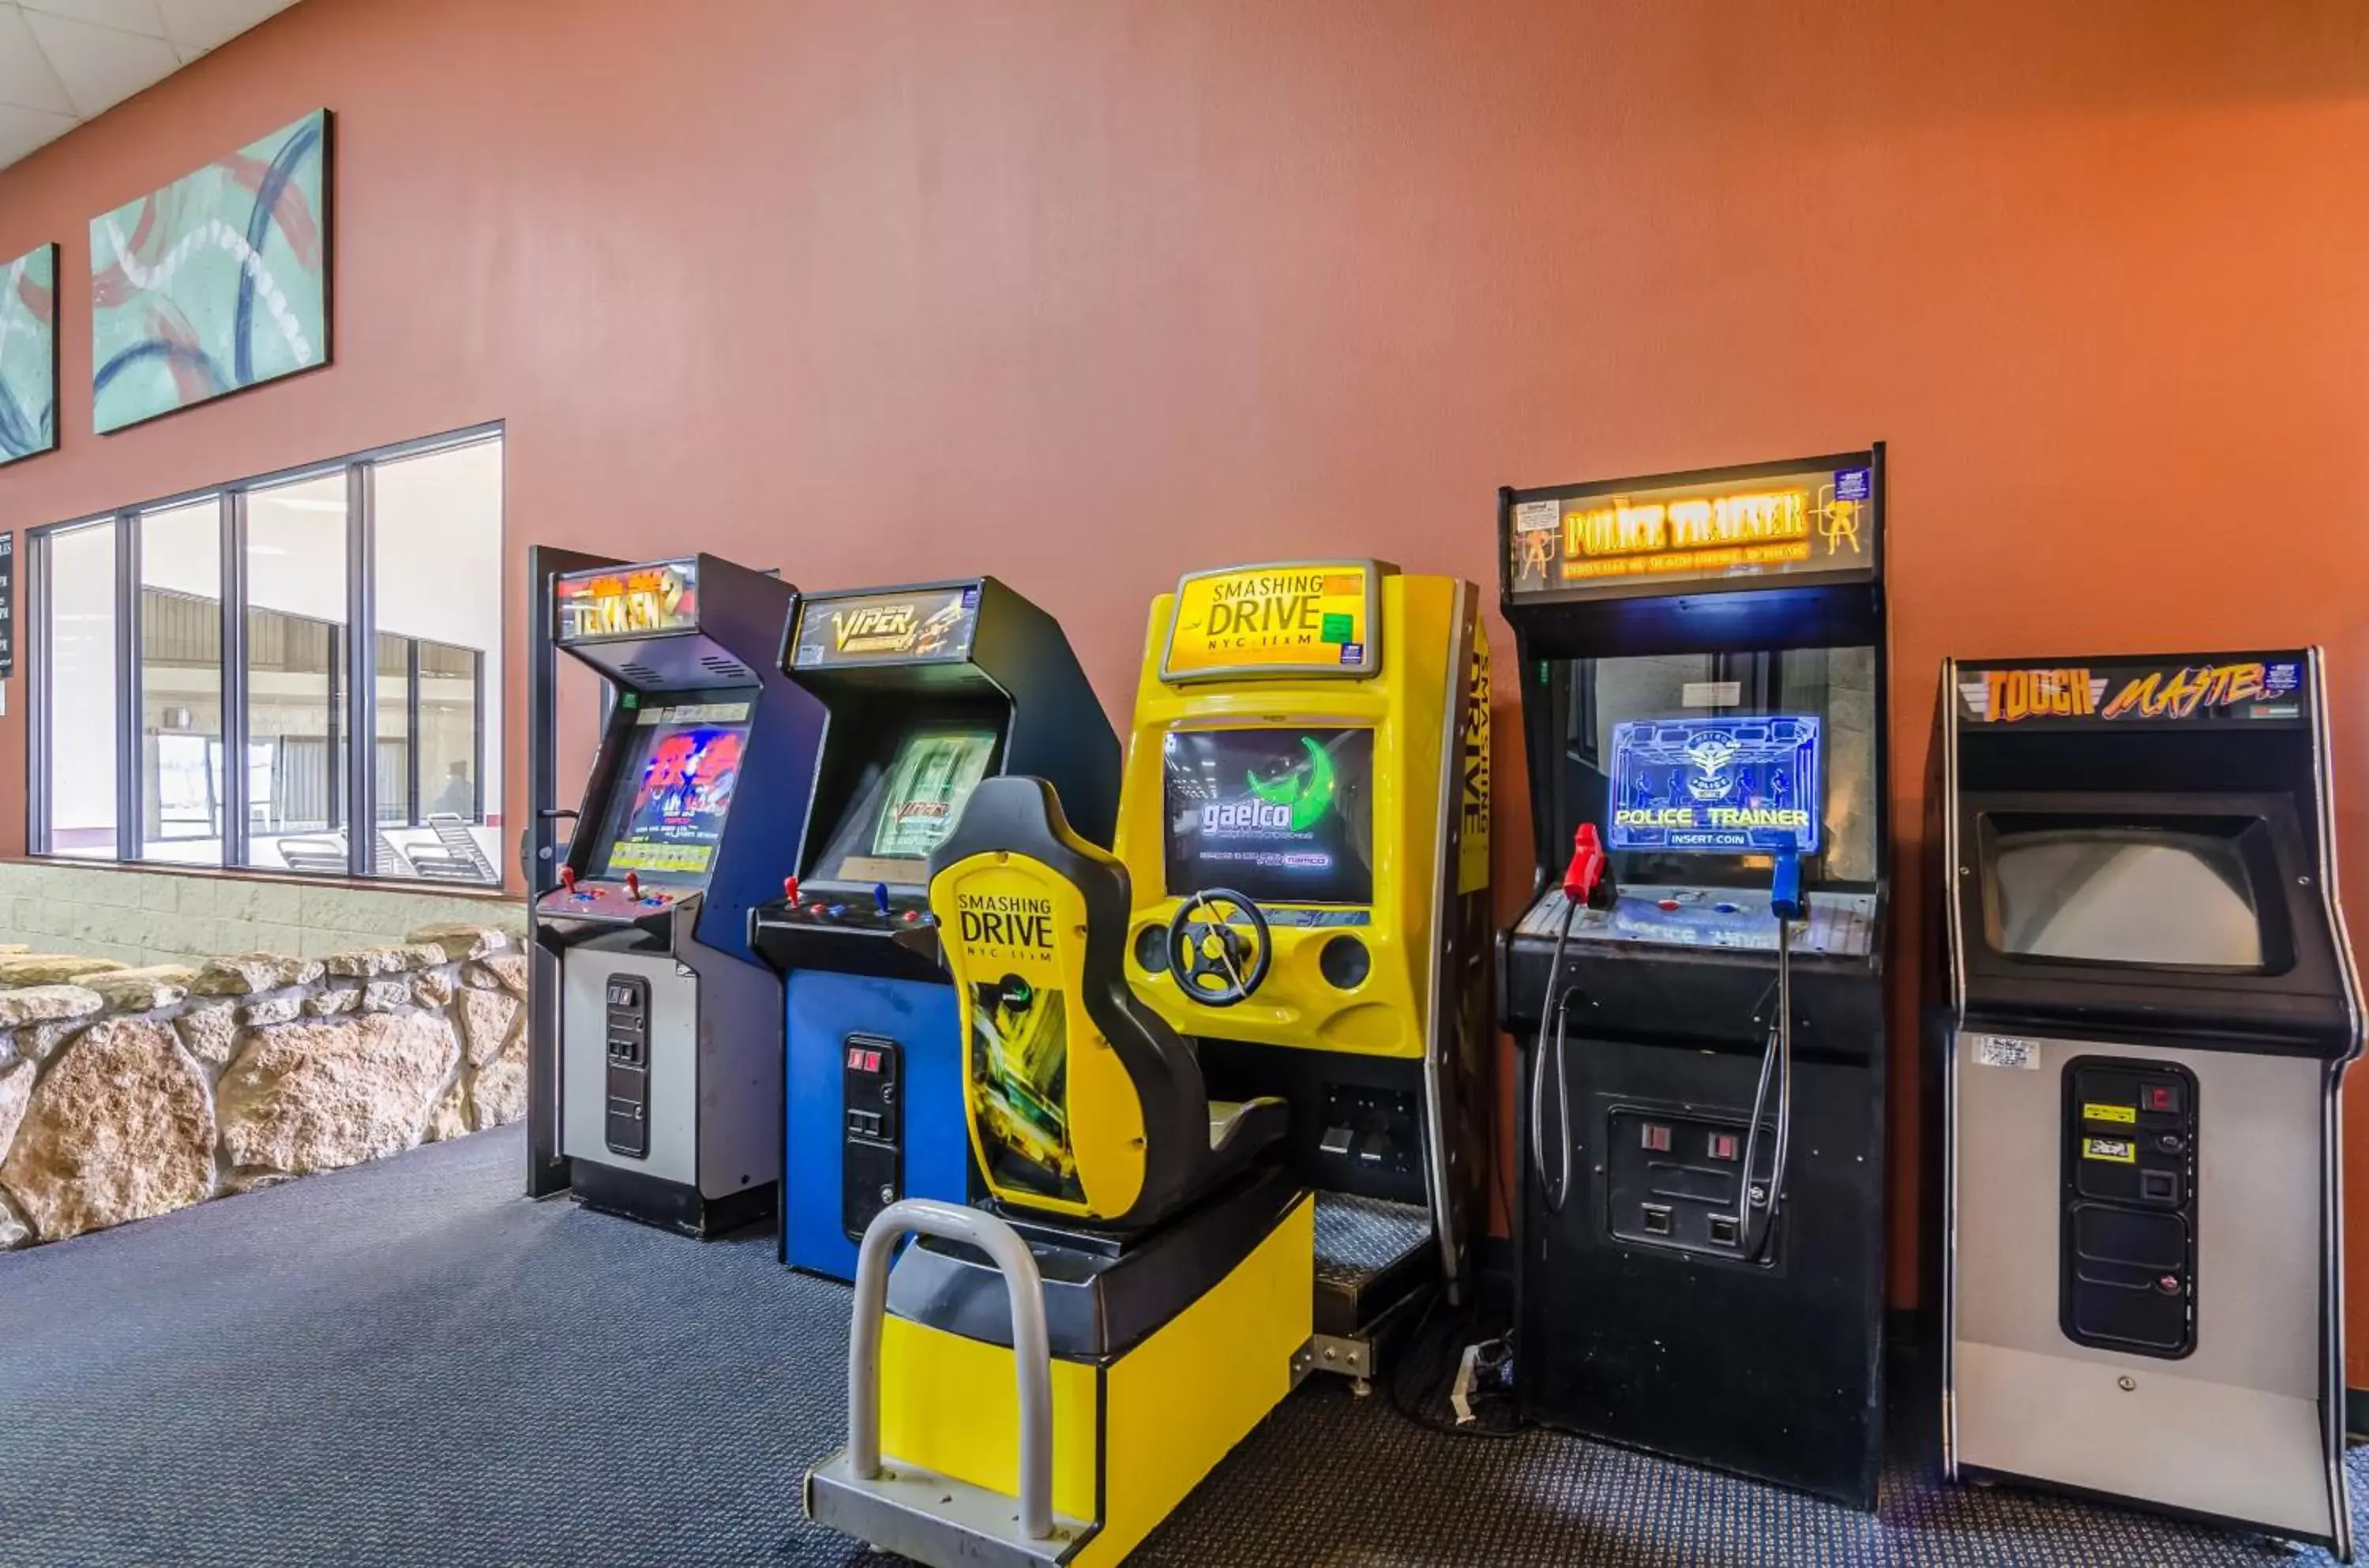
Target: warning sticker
x: 2126, y: 1115
x: 2001, y: 1050
x: 2121, y: 1150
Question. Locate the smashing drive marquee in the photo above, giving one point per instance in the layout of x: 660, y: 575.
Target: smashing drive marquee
x: 1716, y: 785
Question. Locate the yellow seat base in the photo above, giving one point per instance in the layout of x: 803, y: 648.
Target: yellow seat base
x: 1133, y: 1434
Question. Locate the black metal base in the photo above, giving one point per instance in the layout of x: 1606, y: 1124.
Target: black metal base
x: 1770, y: 1368
x: 670, y: 1205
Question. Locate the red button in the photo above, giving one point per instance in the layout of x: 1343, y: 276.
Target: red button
x: 912, y: 914
x: 1670, y: 904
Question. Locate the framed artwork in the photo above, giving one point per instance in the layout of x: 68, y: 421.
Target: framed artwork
x: 29, y: 354
x: 218, y: 282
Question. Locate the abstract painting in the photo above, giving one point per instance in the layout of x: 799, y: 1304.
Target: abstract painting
x: 29, y: 354
x: 219, y: 282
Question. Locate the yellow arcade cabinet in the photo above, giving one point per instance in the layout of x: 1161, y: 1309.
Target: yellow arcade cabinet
x: 1304, y: 817
x: 1041, y: 1378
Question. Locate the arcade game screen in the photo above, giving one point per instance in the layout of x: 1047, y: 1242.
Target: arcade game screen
x: 2124, y: 896
x: 900, y: 813
x: 1281, y: 815
x: 1703, y: 744
x: 683, y: 767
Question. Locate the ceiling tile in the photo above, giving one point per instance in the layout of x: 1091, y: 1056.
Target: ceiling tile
x: 22, y: 130
x: 207, y: 23
x: 100, y: 66
x: 123, y: 15
x: 26, y: 79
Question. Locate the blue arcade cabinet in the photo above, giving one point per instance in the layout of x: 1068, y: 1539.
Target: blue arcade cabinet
x: 929, y: 688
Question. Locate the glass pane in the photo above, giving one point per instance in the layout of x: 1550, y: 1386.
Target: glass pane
x: 391, y: 660
x: 295, y: 677
x: 181, y: 684
x: 81, y: 697
x: 438, y: 593
x: 1835, y: 686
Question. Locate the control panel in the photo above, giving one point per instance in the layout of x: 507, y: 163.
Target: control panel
x: 1712, y: 916
x: 872, y: 1148
x: 626, y: 1129
x: 626, y: 900
x: 2127, y: 1231
x: 1673, y: 1179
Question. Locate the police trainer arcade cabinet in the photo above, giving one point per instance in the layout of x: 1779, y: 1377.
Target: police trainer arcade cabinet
x: 2154, y: 1004
x: 1305, y: 826
x: 669, y: 1030
x: 931, y: 688
x: 1700, y: 1240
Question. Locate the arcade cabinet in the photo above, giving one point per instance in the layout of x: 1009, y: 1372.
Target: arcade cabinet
x: 930, y: 689
x: 1040, y: 1379
x: 2154, y: 1003
x: 1696, y: 988
x: 669, y: 1050
x: 1305, y: 826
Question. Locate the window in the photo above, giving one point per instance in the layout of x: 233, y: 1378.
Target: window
x: 202, y: 699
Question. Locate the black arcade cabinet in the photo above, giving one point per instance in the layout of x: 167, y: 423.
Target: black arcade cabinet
x: 664, y: 1096
x: 1699, y: 1239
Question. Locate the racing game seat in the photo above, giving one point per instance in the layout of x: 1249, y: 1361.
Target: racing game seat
x: 1082, y: 1102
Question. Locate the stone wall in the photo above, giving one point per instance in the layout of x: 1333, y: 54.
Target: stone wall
x: 127, y: 1092
x: 140, y: 916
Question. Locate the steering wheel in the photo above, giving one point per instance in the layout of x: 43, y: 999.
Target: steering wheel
x: 1204, y: 946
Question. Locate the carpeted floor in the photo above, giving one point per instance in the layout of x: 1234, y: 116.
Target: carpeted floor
x: 408, y: 1364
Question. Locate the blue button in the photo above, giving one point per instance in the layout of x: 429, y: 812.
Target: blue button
x: 837, y: 909
x: 1727, y: 909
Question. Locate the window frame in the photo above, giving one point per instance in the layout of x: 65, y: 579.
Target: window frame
x: 355, y: 798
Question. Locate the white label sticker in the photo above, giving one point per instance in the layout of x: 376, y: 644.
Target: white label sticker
x: 1536, y: 517
x: 1711, y: 693
x: 2000, y: 1051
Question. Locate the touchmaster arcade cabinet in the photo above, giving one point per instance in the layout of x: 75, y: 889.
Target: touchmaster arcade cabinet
x: 1699, y: 1237
x: 1305, y: 825
x: 2154, y: 1003
x: 667, y: 1093
x: 930, y: 687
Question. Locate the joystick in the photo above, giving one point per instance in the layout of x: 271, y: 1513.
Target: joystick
x: 1583, y: 880
x: 633, y: 886
x: 567, y: 881
x: 790, y: 892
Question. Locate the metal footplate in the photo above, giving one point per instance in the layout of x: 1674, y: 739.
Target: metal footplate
x: 908, y: 1510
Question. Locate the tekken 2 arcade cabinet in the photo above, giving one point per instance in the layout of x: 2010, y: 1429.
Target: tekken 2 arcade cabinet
x: 669, y: 1029
x: 2154, y: 1003
x: 930, y: 687
x: 1699, y: 1239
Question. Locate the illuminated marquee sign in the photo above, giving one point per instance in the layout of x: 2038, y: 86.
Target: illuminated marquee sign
x: 1811, y: 522
x: 1716, y: 785
x: 2127, y: 691
x: 627, y: 602
x: 1310, y: 618
x: 888, y: 628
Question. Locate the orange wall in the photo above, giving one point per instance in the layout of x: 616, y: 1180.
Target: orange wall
x: 1084, y: 296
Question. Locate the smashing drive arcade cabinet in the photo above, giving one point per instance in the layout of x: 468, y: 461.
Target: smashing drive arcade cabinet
x: 669, y: 1046
x: 930, y: 687
x: 1700, y: 1238
x: 2154, y: 1004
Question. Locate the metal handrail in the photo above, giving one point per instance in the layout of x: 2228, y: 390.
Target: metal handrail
x: 1032, y: 1356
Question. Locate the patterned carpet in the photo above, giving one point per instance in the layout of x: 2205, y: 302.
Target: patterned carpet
x: 408, y: 1364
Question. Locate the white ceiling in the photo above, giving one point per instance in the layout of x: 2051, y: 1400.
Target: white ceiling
x: 64, y: 62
